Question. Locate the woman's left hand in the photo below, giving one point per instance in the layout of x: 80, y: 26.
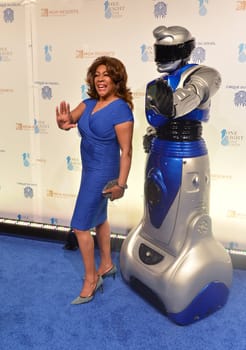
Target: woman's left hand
x: 114, y: 192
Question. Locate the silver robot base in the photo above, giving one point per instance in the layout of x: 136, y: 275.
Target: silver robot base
x: 191, y: 285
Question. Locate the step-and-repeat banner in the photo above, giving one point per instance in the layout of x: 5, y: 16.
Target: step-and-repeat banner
x: 46, y: 47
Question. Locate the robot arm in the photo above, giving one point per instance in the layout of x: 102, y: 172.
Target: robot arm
x: 196, y: 91
x: 197, y: 85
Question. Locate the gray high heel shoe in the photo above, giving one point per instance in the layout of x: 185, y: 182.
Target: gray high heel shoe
x: 83, y: 300
x: 111, y: 272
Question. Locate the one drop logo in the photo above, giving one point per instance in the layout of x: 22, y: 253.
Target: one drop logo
x: 202, y: 8
x: 241, y: 53
x: 107, y: 10
x: 224, y: 138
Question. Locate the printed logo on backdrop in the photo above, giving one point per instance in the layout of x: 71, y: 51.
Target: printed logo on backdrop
x: 47, y: 53
x: 198, y: 55
x: 113, y: 9
x: 73, y: 164
x: 232, y: 245
x: 28, y: 189
x: 84, y: 88
x: 6, y: 91
x: 83, y: 54
x: 21, y: 217
x: 38, y: 127
x: 202, y: 7
x: 230, y: 138
x: 242, y: 52
x: 28, y: 192
x: 47, y: 12
x: 28, y: 161
x: 54, y: 194
x: 53, y: 221
x: 160, y: 9
x: 46, y: 89
x: 8, y: 15
x: 234, y: 214
x: 241, y: 5
x: 239, y: 96
x: 147, y: 53
x: 5, y: 54
x: 46, y: 92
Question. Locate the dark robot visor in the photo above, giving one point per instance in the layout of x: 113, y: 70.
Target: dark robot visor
x: 169, y: 53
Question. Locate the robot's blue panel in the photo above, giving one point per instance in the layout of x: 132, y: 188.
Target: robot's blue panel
x: 209, y: 300
x: 161, y: 186
x: 181, y: 149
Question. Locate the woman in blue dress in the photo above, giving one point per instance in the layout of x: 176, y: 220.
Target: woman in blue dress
x: 105, y: 122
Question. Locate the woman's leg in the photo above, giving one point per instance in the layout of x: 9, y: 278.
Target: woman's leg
x: 86, y: 246
x: 103, y: 240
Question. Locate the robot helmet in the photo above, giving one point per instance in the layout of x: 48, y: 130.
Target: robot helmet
x: 173, y: 46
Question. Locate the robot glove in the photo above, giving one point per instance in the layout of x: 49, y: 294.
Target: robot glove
x: 148, y: 137
x: 160, y: 98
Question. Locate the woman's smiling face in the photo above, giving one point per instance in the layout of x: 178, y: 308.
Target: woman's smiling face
x: 104, y: 85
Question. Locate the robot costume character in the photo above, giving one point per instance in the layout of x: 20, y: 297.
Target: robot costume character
x: 172, y: 251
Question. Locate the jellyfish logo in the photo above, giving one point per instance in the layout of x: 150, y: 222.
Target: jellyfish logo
x: 198, y: 55
x: 240, y: 98
x: 28, y: 192
x: 46, y: 92
x: 8, y: 15
x: 160, y: 9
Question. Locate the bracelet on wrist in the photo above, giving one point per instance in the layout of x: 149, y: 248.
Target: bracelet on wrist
x: 123, y: 187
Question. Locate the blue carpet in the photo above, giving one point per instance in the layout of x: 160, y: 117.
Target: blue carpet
x: 39, y: 279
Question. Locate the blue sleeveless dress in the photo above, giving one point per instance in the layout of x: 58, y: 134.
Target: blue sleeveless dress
x: 100, y: 156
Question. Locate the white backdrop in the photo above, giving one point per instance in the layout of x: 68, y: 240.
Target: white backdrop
x: 46, y: 47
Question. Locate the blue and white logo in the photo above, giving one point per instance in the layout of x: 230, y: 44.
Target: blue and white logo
x: 53, y: 221
x: 107, y: 10
x: 8, y: 15
x: 113, y: 9
x: 224, y: 137
x: 36, y: 127
x: 69, y: 163
x: 146, y: 53
x: 198, y: 55
x: 26, y: 159
x: 240, y: 98
x: 202, y: 8
x: 84, y: 91
x: 231, y: 138
x: 46, y: 92
x: 241, y: 53
x: 160, y: 9
x: 47, y: 53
